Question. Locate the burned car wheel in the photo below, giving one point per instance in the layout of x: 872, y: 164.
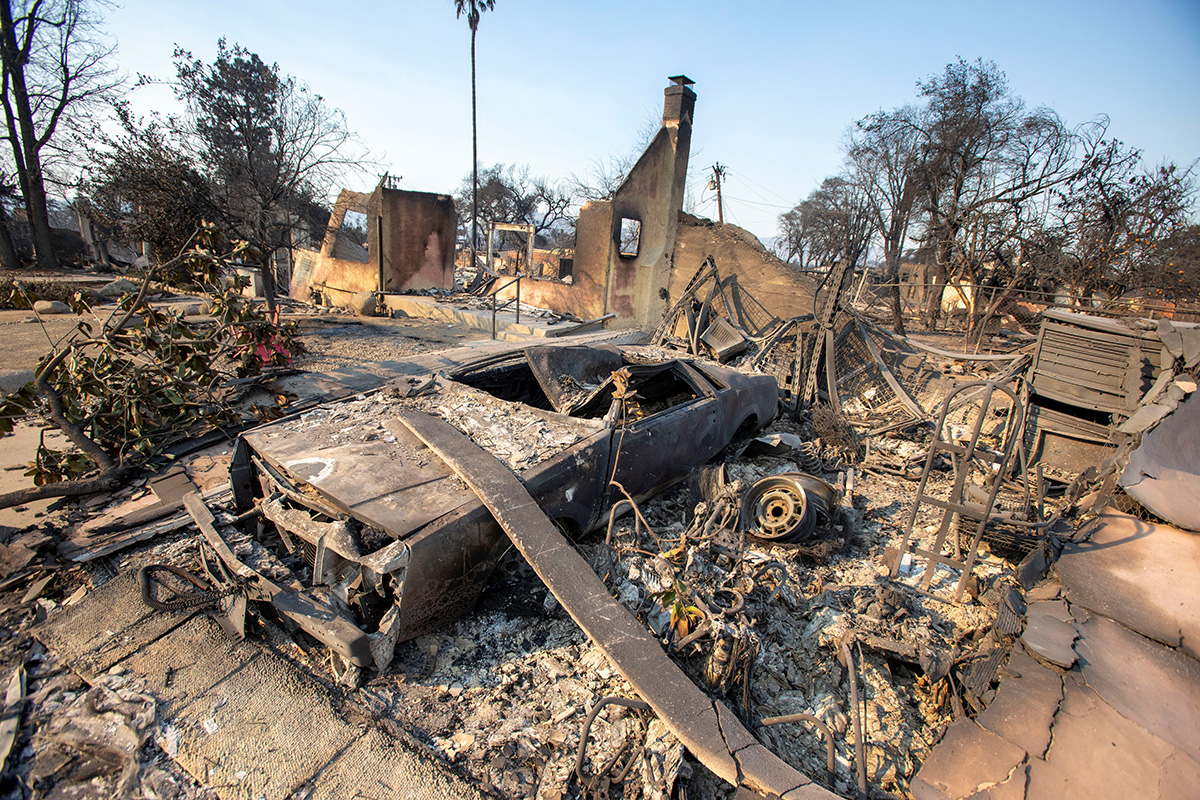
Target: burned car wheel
x: 789, y: 508
x: 777, y: 509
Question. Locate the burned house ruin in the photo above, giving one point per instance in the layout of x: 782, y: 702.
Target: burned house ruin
x: 410, y: 245
x: 745, y: 543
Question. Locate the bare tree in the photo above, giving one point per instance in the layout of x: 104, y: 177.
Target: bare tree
x: 507, y: 193
x: 1117, y: 212
x: 605, y: 175
x: 886, y: 156
x: 8, y: 197
x: 1000, y: 197
x: 1172, y: 269
x: 603, y: 178
x: 792, y: 243
x: 988, y: 167
x: 55, y: 69
x: 831, y: 225
x: 268, y: 144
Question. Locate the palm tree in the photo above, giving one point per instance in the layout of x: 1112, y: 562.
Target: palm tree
x: 474, y: 8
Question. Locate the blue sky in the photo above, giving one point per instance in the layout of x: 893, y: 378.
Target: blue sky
x: 563, y: 83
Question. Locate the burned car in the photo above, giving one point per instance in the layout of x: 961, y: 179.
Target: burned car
x: 384, y: 542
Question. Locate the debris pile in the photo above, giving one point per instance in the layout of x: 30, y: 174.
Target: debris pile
x: 504, y: 693
x: 849, y: 584
x: 517, y: 434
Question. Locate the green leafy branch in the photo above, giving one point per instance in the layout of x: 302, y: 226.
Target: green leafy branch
x: 145, y: 378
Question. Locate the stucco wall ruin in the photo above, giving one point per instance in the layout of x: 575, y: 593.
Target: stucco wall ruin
x: 418, y: 231
x: 777, y: 286
x: 418, y: 238
x: 604, y: 281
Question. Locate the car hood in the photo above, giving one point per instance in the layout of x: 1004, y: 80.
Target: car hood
x: 392, y: 483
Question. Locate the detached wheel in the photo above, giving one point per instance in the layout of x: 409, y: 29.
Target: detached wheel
x: 777, y: 510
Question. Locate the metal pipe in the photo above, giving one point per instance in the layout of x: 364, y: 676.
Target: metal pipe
x: 822, y: 728
x: 324, y: 286
x: 379, y: 225
x: 612, y: 518
x: 860, y: 749
x: 587, y: 725
x: 495, y: 296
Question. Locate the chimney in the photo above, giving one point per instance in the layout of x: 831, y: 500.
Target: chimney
x: 679, y: 101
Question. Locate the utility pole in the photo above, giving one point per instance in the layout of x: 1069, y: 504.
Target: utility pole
x: 715, y: 183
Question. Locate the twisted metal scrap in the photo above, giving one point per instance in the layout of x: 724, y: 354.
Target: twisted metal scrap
x: 206, y: 596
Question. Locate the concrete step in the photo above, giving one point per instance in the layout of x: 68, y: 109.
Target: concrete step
x: 507, y: 326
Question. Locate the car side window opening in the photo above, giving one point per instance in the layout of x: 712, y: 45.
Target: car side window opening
x: 658, y: 392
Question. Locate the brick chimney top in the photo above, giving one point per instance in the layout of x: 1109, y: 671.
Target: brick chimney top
x: 679, y: 101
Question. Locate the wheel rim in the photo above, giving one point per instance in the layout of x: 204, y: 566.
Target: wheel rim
x: 778, y: 509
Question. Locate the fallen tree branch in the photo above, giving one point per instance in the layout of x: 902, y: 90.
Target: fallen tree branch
x: 105, y: 481
x: 110, y: 469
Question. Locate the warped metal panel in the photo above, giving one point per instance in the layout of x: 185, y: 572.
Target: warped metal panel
x: 1104, y: 368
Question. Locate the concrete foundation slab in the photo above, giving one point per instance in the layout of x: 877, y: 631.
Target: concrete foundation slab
x: 1140, y: 574
x: 244, y: 720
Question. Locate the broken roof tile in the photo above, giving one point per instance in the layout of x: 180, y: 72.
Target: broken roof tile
x: 1098, y: 753
x: 1048, y: 635
x: 1161, y: 473
x: 968, y: 759
x: 1051, y: 608
x: 1152, y: 685
x: 1047, y: 590
x: 1011, y: 789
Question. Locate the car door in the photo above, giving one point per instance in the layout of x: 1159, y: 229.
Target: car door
x: 678, y: 429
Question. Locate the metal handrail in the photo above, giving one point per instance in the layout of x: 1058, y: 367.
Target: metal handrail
x: 507, y: 303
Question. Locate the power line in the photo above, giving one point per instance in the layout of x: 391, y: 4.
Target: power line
x: 764, y: 188
x: 756, y: 203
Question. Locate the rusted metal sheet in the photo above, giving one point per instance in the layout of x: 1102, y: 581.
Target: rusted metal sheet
x: 711, y: 732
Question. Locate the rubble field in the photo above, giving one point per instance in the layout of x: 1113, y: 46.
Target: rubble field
x: 840, y: 628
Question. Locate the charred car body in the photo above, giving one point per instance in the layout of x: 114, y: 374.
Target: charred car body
x: 386, y: 542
